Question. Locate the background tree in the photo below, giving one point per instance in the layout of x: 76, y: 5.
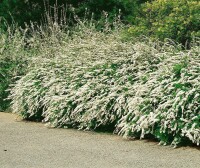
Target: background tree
x: 174, y: 19
x: 21, y: 11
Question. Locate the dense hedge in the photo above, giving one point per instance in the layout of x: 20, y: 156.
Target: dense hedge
x: 93, y: 80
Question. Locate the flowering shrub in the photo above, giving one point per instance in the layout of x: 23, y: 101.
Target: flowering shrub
x: 89, y: 80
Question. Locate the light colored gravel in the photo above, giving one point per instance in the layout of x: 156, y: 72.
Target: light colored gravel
x: 32, y: 145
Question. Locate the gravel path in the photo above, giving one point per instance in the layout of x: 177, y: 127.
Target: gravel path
x: 32, y: 145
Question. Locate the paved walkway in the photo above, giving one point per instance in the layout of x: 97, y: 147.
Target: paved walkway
x: 32, y: 145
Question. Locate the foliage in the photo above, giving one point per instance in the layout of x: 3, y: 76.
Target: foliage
x: 21, y: 11
x: 174, y: 19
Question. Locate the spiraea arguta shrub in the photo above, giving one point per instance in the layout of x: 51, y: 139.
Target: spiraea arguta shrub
x: 91, y: 80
